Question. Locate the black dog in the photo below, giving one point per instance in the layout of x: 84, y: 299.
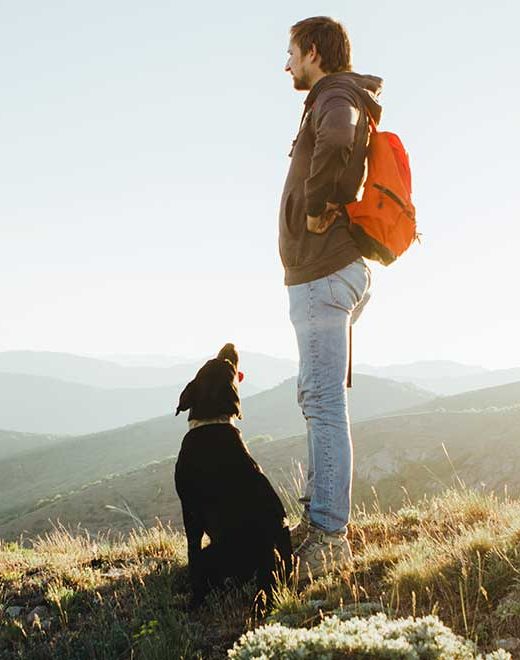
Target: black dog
x: 223, y: 491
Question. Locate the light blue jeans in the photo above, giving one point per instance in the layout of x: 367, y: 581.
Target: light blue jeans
x: 321, y: 312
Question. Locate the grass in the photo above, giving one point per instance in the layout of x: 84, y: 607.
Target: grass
x: 455, y: 555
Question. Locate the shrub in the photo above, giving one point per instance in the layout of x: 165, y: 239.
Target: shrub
x: 424, y: 638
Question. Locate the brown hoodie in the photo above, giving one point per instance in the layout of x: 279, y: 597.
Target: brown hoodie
x: 326, y: 166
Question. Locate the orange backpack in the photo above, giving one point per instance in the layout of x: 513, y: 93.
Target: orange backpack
x: 383, y: 221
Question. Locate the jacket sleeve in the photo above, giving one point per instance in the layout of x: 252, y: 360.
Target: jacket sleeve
x: 335, y: 126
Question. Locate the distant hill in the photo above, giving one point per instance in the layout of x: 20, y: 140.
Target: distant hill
x: 13, y: 443
x: 477, y: 382
x: 434, y: 370
x: 276, y: 413
x: 490, y: 399
x: 46, y: 405
x: 261, y: 371
x: 143, y: 359
x: 148, y: 491
x: 77, y: 461
x: 401, y: 458
x: 444, y: 377
x: 404, y: 456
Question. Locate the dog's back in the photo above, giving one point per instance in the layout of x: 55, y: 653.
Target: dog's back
x: 218, y: 476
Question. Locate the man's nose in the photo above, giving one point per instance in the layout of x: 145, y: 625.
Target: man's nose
x: 287, y: 67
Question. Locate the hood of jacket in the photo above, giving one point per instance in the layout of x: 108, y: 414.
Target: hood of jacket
x: 366, y: 87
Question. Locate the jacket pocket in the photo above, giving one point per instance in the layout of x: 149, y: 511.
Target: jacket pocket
x: 290, y: 232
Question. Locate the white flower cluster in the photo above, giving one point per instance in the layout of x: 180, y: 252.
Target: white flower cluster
x: 378, y: 636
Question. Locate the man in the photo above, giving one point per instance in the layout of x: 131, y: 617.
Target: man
x: 327, y: 279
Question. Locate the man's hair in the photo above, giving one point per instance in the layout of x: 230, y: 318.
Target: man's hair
x: 329, y: 37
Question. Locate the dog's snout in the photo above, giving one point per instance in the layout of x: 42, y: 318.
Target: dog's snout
x: 229, y: 352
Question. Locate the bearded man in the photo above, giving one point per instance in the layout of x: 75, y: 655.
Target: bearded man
x: 326, y: 276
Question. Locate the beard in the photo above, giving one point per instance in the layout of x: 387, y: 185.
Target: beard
x: 301, y: 84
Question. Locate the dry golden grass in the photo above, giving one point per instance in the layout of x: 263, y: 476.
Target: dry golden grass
x: 455, y: 555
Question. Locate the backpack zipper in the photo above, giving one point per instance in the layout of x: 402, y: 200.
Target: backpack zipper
x: 393, y: 196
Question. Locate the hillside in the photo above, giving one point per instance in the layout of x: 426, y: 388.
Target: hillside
x: 424, y: 370
x: 369, y: 397
x: 148, y: 492
x: 489, y: 399
x: 400, y: 458
x: 454, y: 556
x: 444, y: 377
x: 143, y: 359
x: 37, y: 404
x: 486, y: 380
x: 262, y: 371
x: 13, y: 443
x: 46, y: 405
x: 405, y: 454
x: 78, y: 461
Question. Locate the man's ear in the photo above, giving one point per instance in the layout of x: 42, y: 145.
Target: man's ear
x: 313, y: 52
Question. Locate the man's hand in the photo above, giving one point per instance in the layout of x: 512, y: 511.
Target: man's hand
x: 320, y: 224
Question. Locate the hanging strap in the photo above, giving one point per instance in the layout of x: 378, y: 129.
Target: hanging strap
x: 349, y: 368
x: 372, y: 123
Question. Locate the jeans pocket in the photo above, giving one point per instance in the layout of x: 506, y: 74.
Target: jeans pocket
x: 349, y: 285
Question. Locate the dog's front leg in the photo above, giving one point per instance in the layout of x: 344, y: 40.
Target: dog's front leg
x: 194, y: 531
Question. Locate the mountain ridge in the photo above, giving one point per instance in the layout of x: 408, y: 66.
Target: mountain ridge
x: 444, y: 377
x: 402, y: 456
x: 268, y: 371
x: 49, y: 471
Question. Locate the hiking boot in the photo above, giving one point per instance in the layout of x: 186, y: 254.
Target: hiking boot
x: 321, y: 553
x: 300, y: 531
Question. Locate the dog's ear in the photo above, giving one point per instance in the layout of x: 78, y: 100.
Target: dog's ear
x: 187, y: 398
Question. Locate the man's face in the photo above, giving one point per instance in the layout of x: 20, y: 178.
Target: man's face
x: 297, y: 65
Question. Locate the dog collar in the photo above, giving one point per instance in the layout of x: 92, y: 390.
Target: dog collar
x: 223, y: 419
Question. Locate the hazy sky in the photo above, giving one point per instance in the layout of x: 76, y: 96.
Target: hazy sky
x: 144, y: 149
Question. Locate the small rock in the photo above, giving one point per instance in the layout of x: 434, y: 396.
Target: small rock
x: 14, y: 612
x: 38, y: 613
x: 508, y: 644
x: 113, y: 573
